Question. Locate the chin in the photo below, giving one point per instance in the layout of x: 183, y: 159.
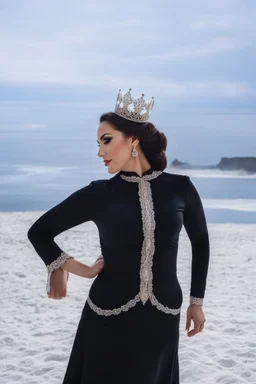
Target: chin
x: 112, y: 170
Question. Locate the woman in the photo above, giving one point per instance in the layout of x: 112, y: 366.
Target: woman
x: 129, y: 328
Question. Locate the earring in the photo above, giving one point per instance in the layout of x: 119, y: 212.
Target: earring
x: 134, y: 152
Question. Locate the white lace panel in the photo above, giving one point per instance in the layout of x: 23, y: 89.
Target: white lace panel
x: 196, y: 300
x: 55, y: 265
x: 147, y: 251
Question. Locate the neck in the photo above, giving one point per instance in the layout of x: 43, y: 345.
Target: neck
x: 139, y: 166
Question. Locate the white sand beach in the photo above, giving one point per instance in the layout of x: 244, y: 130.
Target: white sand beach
x: 37, y: 333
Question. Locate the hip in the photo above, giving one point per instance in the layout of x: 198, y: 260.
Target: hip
x: 112, y: 291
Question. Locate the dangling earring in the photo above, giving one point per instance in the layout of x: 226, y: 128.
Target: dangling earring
x: 134, y: 152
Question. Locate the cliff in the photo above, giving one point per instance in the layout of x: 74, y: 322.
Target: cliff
x: 247, y: 164
x: 238, y: 163
x: 179, y: 164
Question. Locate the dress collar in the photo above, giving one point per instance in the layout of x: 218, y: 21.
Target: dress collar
x: 133, y: 176
x: 132, y: 173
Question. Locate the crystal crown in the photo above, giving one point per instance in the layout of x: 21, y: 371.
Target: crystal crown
x: 133, y: 109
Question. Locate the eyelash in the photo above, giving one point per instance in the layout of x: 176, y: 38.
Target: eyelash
x: 106, y: 141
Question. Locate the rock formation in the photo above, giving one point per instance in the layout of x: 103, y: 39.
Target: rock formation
x: 247, y: 164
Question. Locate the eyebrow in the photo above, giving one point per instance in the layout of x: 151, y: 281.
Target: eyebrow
x: 103, y: 136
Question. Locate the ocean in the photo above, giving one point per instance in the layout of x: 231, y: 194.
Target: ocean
x: 227, y: 196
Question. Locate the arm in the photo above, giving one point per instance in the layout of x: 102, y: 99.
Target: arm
x: 196, y: 228
x: 79, y: 207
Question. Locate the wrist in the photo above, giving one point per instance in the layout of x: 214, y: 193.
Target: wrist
x: 86, y: 270
x: 196, y: 300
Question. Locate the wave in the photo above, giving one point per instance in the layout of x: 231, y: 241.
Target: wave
x: 247, y: 205
x: 25, y: 173
x: 212, y: 173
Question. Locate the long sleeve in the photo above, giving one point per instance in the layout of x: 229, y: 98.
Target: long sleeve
x: 79, y: 207
x: 196, y: 227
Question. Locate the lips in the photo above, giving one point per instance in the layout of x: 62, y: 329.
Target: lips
x: 107, y: 161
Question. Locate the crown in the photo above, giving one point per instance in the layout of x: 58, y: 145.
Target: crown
x: 129, y: 108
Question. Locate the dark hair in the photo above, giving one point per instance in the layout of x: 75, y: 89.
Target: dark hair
x: 152, y: 142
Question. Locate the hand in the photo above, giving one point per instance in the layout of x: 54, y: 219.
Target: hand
x: 195, y: 312
x: 96, y: 268
x: 58, y: 284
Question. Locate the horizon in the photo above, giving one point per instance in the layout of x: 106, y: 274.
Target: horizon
x: 215, y: 165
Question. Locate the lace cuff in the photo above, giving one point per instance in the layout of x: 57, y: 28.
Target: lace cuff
x: 196, y: 300
x: 55, y: 265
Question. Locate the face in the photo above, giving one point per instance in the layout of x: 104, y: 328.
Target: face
x: 114, y: 146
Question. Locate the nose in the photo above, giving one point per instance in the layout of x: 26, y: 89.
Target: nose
x: 100, y: 152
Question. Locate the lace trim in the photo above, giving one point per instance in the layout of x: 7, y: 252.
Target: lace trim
x: 138, y: 179
x: 196, y: 300
x: 148, y: 246
x: 55, y: 265
x: 115, y: 311
x: 162, y: 308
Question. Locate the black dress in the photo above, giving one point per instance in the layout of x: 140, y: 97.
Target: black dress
x: 129, y: 327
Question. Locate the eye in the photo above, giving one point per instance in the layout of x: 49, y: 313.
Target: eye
x: 106, y: 141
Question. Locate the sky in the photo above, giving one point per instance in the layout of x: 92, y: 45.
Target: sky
x: 62, y: 63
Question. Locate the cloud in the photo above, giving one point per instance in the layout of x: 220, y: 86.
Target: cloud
x: 160, y: 87
x: 62, y: 63
x: 221, y: 22
x: 25, y: 127
x: 38, y: 103
x: 160, y: 48
x: 33, y: 126
x: 207, y: 49
x: 130, y: 22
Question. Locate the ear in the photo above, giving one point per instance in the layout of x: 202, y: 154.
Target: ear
x: 135, y: 141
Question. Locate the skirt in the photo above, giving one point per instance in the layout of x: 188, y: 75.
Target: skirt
x: 139, y: 346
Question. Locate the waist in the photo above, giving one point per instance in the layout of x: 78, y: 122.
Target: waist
x: 109, y: 273
x: 128, y: 263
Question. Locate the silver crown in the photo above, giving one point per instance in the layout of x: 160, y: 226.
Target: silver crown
x: 129, y: 108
